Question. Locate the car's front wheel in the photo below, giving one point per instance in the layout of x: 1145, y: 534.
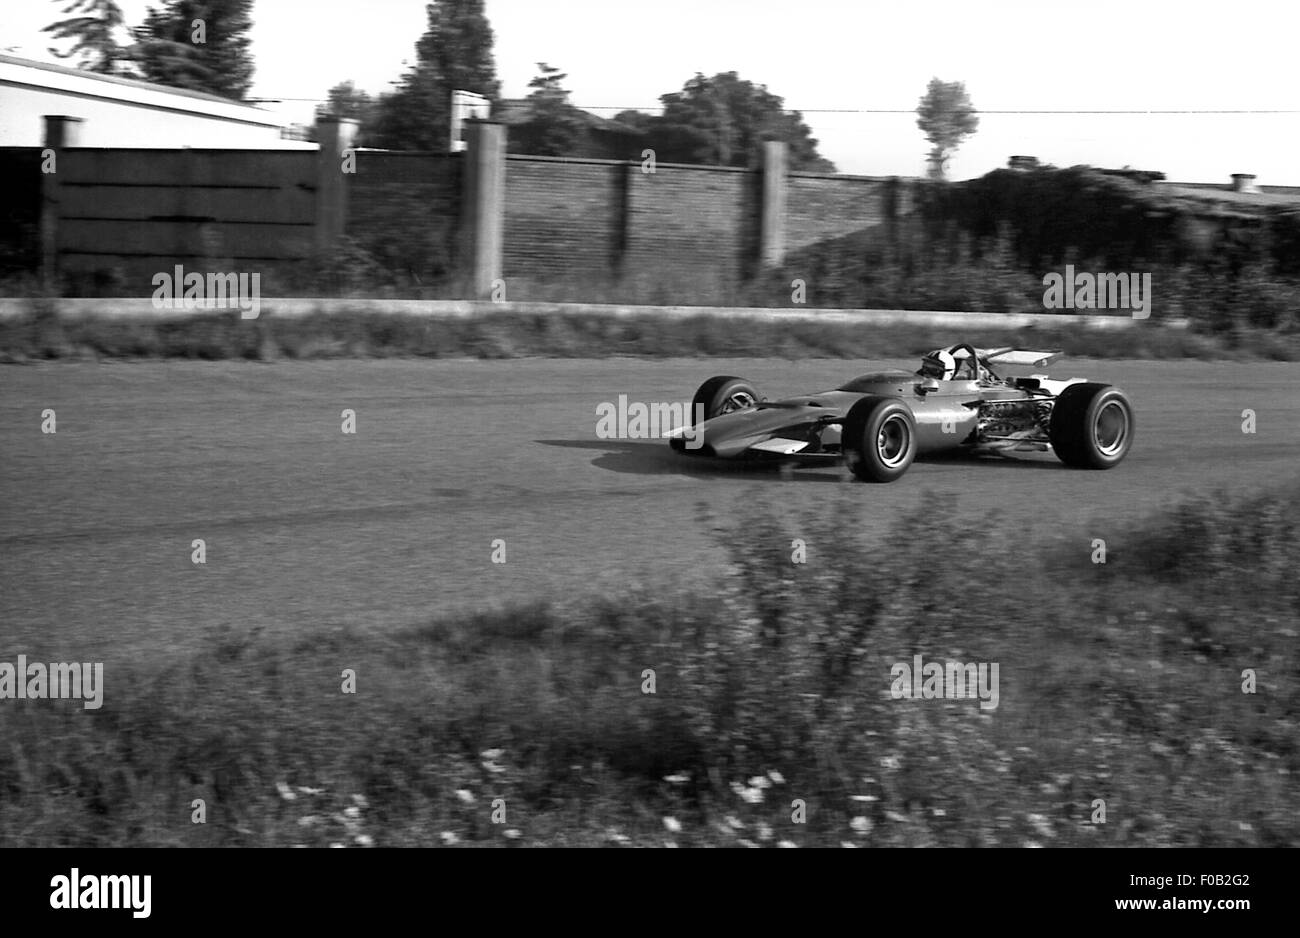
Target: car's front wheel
x: 879, y: 439
x: 1092, y: 426
x: 722, y: 394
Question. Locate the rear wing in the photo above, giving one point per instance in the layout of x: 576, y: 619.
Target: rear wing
x: 1018, y: 357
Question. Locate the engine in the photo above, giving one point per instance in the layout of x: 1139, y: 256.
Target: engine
x: 1010, y: 418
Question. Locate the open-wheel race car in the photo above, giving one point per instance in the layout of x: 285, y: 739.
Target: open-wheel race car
x: 878, y: 423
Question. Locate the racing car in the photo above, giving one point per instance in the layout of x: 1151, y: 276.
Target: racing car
x: 878, y: 423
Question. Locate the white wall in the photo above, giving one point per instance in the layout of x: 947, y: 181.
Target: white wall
x: 128, y: 114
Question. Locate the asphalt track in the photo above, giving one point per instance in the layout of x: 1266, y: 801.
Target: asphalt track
x: 308, y: 529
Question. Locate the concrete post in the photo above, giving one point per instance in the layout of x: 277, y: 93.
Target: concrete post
x: 483, y: 207
x: 772, y: 223
x: 335, y: 135
x: 61, y: 131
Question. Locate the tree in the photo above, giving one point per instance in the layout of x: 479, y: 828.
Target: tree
x: 94, y: 33
x: 554, y: 126
x: 639, y: 121
x: 454, y: 54
x: 724, y: 120
x: 198, y: 44
x: 347, y: 100
x: 946, y: 117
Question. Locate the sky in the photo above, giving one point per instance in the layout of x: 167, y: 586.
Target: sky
x: 851, y: 57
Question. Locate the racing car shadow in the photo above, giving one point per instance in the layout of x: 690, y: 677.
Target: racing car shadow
x: 651, y: 457
x: 992, y: 460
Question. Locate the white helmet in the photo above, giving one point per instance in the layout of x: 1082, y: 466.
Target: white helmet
x: 940, y: 364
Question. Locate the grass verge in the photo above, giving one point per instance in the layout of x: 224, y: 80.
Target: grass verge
x: 771, y: 722
x: 44, y: 336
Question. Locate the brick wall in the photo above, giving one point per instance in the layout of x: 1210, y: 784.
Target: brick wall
x: 581, y: 218
x: 688, y: 221
x: 562, y: 218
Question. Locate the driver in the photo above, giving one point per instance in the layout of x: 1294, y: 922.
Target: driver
x: 940, y: 365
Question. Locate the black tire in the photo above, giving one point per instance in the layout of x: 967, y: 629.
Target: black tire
x: 879, y: 439
x: 1092, y: 426
x: 721, y: 395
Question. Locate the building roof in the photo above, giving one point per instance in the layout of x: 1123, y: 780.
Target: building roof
x: 18, y: 72
x: 1267, y: 195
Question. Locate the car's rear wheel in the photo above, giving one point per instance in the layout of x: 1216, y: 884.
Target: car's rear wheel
x: 1092, y: 426
x: 879, y: 439
x: 723, y: 395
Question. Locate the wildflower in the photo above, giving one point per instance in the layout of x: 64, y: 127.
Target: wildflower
x: 787, y: 844
x: 307, y: 820
x: 352, y: 811
x: 360, y: 801
x: 776, y: 777
x: 311, y: 791
x: 674, y: 826
x: 365, y: 840
x: 764, y: 831
x: 678, y: 779
x: 759, y: 781
x: 862, y: 825
x: 752, y: 795
x: 735, y: 823
x: 449, y: 838
x: 513, y: 833
x: 465, y: 795
x: 285, y: 791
